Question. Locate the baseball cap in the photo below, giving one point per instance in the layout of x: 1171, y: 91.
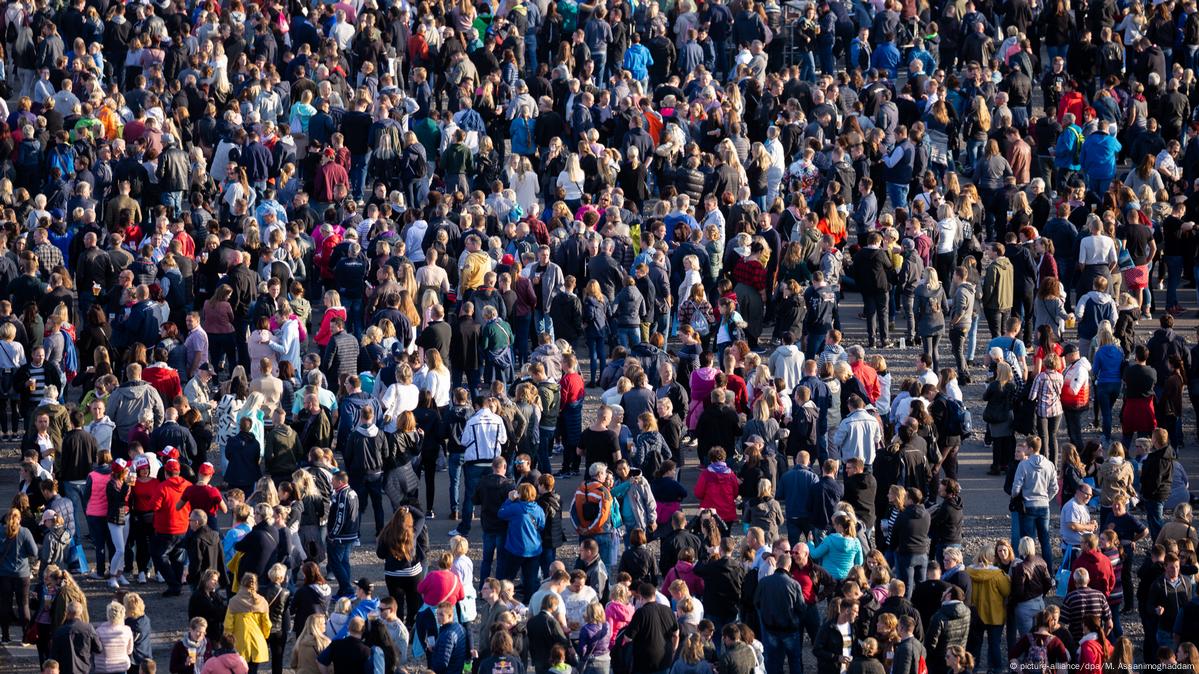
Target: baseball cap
x: 207, y: 468
x: 169, y: 452
x: 48, y: 515
x: 119, y: 465
x: 172, y: 466
x: 365, y: 585
x: 141, y: 462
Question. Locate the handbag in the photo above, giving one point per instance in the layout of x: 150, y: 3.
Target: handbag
x: 1062, y: 578
x: 1016, y: 504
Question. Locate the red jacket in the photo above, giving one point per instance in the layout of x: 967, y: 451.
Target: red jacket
x: 168, y: 520
x: 1098, y: 567
x: 717, y: 489
x: 570, y: 388
x: 164, y: 380
x: 868, y: 376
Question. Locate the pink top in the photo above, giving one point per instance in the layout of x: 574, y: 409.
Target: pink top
x: 97, y: 505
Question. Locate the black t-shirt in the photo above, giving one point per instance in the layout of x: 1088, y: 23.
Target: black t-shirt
x: 1137, y: 238
x: 348, y: 655
x: 652, y: 629
x: 599, y: 446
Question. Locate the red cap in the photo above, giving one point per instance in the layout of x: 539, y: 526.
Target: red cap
x: 172, y: 466
x: 206, y: 468
x: 507, y: 259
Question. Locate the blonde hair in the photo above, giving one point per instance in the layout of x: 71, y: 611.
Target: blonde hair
x: 116, y: 613
x: 459, y: 546
x: 134, y: 606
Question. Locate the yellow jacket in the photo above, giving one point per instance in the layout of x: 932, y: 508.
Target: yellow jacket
x: 249, y: 622
x: 990, y: 588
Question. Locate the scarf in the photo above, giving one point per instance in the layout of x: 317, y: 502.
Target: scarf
x: 199, y: 646
x: 719, y: 467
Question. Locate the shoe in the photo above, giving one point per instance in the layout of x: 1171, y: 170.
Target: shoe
x: 141, y: 578
x: 965, y: 379
x: 113, y: 584
x: 454, y: 532
x: 593, y: 384
x: 430, y: 515
x: 454, y: 514
x: 96, y: 575
x: 122, y: 580
x: 159, y: 579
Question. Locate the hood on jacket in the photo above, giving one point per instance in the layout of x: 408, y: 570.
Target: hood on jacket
x: 368, y: 431
x: 1002, y: 263
x: 788, y: 350
x: 248, y: 602
x: 957, y: 610
x: 1101, y: 298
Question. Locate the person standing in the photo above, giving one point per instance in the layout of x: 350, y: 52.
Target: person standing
x: 654, y: 630
x: 17, y: 550
x: 482, y: 438
x: 343, y: 532
x: 75, y: 644
x: 170, y: 526
x: 1046, y: 392
x: 1036, y: 483
x: 871, y: 268
x: 522, y: 545
x: 780, y: 603
x: 1157, y: 478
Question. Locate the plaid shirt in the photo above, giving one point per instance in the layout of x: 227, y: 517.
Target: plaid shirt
x: 752, y: 274
x: 48, y: 256
x: 1046, y: 391
x: 1080, y: 603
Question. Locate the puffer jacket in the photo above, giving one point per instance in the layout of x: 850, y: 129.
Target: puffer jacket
x: 629, y: 308
x: 1115, y: 478
x: 950, y: 626
x: 552, y: 534
x: 717, y: 489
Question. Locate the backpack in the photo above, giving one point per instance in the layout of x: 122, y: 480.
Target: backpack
x: 324, y: 255
x: 592, y: 509
x: 1078, y: 140
x: 958, y: 420
x: 699, y: 322
x: 1036, y: 658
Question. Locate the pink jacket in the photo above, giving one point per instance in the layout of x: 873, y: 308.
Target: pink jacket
x: 325, y: 334
x: 226, y: 663
x: 685, y: 572
x: 717, y: 489
x: 97, y: 505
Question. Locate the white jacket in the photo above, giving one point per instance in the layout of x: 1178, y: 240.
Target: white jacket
x: 858, y: 435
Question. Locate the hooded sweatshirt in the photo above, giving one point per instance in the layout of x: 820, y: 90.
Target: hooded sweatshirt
x: 997, y: 285
x: 364, y: 452
x: 1094, y: 308
x: 786, y: 363
x: 1036, y: 480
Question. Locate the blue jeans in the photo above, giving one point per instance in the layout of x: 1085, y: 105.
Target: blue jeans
x: 609, y: 549
x: 353, y: 314
x: 780, y: 645
x: 911, y: 569
x: 1107, y: 394
x: 1173, y: 279
x: 1098, y: 185
x: 358, y: 164
x: 597, y: 345
x: 897, y: 195
x: 600, y: 58
x: 98, y: 528
x: 73, y: 492
x: 542, y: 323
x: 173, y: 201
x: 544, y: 445
x: 1036, y: 518
x: 1154, y: 514
x: 828, y: 64
x: 972, y: 339
x: 1057, y: 51
x: 628, y: 336
x: 994, y: 634
x: 815, y: 343
x: 369, y: 488
x: 472, y: 474
x: 492, y: 545
x: 454, y: 467
x: 1026, y: 612
x: 339, y: 567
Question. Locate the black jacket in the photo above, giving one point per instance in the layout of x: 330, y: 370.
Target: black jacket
x: 828, y: 647
x: 860, y: 492
x: 639, y: 563
x: 76, y: 457
x: 779, y: 600
x: 490, y: 493
x: 945, y: 527
x: 674, y: 543
x: 365, y: 451
x: 722, y: 586
x: 204, y: 552
x: 340, y: 358
x: 871, y: 269
x: 545, y: 632
x: 1157, y: 474
x: 552, y: 535
x: 260, y: 549
x: 911, y: 531
x: 74, y: 646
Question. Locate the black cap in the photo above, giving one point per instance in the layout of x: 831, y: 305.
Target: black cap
x: 365, y: 585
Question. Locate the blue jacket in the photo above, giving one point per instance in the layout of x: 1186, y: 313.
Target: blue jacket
x: 838, y: 554
x: 794, y: 486
x: 522, y: 131
x: 1064, y: 149
x: 637, y: 60
x: 525, y: 521
x: 886, y: 57
x: 449, y: 653
x: 1099, y: 152
x: 1108, y: 364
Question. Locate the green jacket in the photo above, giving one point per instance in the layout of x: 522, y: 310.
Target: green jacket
x: 997, y: 285
x: 496, y: 336
x: 457, y: 159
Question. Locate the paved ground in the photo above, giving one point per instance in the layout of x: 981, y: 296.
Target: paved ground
x: 985, y: 503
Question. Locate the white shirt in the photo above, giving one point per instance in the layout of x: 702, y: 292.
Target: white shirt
x: 1097, y: 250
x: 947, y: 235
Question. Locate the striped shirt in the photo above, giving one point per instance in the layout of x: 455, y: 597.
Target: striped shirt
x: 1083, y: 602
x: 1046, y: 391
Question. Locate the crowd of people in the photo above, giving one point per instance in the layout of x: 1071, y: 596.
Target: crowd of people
x: 270, y: 270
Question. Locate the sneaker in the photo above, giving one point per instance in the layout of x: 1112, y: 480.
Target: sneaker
x: 159, y: 579
x: 430, y: 515
x: 141, y: 578
x: 454, y: 532
x: 123, y: 580
x: 96, y: 575
x: 113, y: 584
